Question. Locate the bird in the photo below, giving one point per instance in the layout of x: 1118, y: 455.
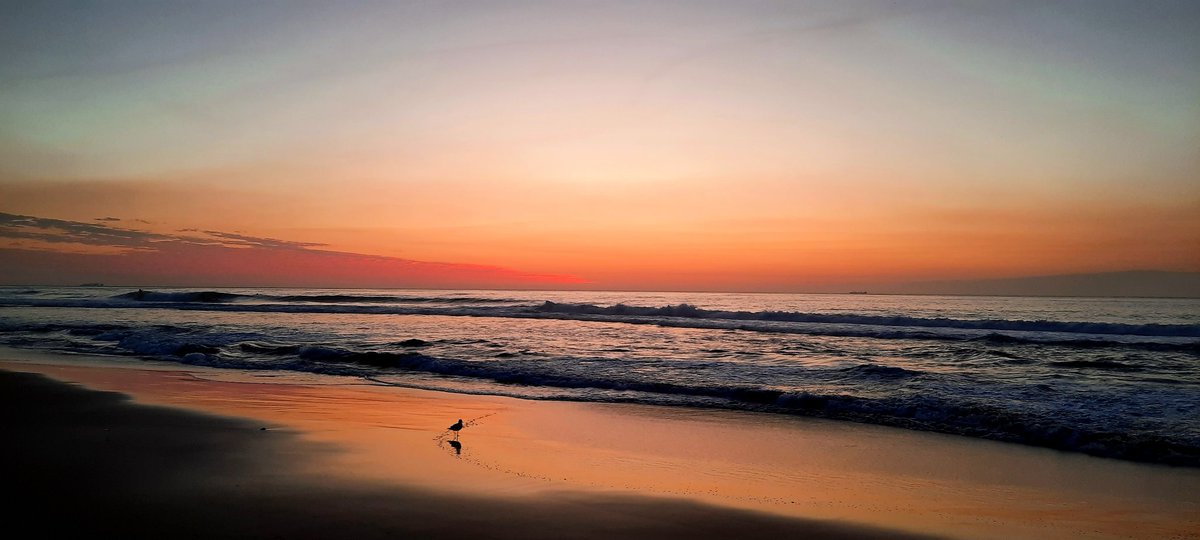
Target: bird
x: 456, y: 427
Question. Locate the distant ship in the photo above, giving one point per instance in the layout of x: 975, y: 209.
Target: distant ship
x: 90, y: 285
x: 858, y: 292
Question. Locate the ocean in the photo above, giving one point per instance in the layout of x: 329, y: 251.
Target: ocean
x: 1110, y: 377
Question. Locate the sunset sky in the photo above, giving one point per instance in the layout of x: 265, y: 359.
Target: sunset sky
x: 775, y: 146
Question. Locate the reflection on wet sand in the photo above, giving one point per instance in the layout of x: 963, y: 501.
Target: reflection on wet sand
x: 443, y: 439
x: 814, y: 469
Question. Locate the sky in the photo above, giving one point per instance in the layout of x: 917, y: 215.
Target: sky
x: 741, y: 146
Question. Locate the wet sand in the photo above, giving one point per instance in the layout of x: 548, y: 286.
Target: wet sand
x: 343, y: 457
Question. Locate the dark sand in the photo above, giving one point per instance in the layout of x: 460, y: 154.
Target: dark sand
x: 83, y: 463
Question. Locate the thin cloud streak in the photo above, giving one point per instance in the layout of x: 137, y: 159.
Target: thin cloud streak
x: 214, y: 258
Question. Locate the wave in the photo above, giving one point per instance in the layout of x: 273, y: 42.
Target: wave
x: 220, y: 296
x: 1151, y: 343
x: 623, y: 313
x: 928, y: 413
x: 880, y: 372
x: 386, y: 299
x: 333, y: 298
x: 914, y: 411
x: 690, y: 311
x: 268, y: 348
x: 198, y: 296
x: 1111, y: 365
x: 1153, y: 337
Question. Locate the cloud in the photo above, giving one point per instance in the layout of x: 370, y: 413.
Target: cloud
x: 254, y: 241
x: 48, y: 251
x: 74, y: 232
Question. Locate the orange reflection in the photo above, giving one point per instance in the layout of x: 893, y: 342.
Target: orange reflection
x: 795, y: 466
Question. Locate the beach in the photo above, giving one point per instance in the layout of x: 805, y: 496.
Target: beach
x: 204, y: 452
x: 588, y: 270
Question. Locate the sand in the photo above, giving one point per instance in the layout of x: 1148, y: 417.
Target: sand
x: 182, y: 451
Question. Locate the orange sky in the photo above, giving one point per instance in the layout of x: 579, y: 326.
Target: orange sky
x: 757, y: 146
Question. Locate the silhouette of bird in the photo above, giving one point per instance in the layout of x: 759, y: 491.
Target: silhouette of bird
x: 456, y: 427
x: 457, y: 446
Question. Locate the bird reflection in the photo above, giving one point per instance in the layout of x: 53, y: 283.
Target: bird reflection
x: 457, y: 428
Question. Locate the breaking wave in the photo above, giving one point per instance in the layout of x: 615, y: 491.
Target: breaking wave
x: 1150, y: 336
x: 690, y: 311
x: 198, y: 296
x: 219, y: 296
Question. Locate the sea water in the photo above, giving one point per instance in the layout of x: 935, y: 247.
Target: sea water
x: 1113, y: 377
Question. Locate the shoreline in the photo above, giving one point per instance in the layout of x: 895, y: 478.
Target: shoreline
x: 96, y: 463
x: 135, y: 495
x: 817, y: 476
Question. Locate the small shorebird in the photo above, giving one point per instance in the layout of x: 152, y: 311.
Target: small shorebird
x: 456, y: 427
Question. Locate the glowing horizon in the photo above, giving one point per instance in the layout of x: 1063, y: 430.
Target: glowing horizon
x: 769, y: 146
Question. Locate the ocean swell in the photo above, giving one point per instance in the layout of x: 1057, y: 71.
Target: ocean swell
x: 1083, y: 335
x: 690, y: 311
